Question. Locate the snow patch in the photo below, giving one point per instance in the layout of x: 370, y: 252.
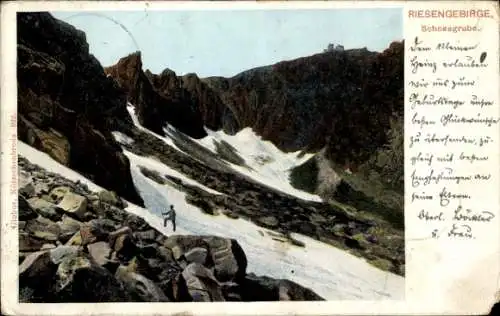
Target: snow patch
x: 269, y: 165
x: 122, y: 138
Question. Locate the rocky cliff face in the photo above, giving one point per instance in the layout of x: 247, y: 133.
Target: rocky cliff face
x: 184, y: 102
x: 342, y: 99
x: 67, y: 106
x: 348, y: 105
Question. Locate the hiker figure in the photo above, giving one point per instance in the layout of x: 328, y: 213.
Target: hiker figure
x: 170, y: 215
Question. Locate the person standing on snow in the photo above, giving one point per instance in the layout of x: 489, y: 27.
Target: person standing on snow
x: 170, y: 215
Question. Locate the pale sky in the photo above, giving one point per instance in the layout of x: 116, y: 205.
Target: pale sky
x: 224, y: 43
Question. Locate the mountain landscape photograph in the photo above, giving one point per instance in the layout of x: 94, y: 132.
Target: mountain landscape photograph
x: 210, y: 156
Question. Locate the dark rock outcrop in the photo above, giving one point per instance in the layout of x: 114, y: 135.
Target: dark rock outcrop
x: 342, y: 100
x: 186, y: 102
x: 256, y: 288
x: 67, y: 106
x: 26, y: 212
x: 158, y: 99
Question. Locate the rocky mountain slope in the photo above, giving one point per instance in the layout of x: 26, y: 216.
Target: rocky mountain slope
x: 71, y: 108
x: 184, y: 102
x: 342, y: 100
x: 67, y: 106
x: 347, y: 106
x: 81, y: 246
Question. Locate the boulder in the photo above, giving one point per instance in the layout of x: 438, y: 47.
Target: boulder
x: 112, y: 213
x: 165, y: 253
x: 79, y: 279
x: 124, y: 203
x: 37, y: 274
x: 96, y: 230
x: 36, y: 277
x: 202, y: 284
x: 109, y: 197
x: 135, y: 222
x: 88, y: 216
x: 69, y: 227
x: 291, y: 291
x: 229, y: 259
x: 97, y: 208
x: 231, y: 291
x: 148, y: 250
x: 58, y: 193
x: 306, y: 228
x: 100, y: 252
x: 152, y: 174
x: 261, y: 288
x: 42, y: 188
x: 75, y: 240
x: 180, y: 244
x: 28, y: 243
x: 231, y: 214
x: 268, y: 221
x: 47, y: 198
x: 317, y: 218
x: 197, y: 255
x: 226, y: 254
x: 353, y: 243
x: 140, y: 288
x: 57, y: 255
x: 43, y: 228
x: 124, y: 230
x: 161, y: 239
x: 146, y: 236
x: 74, y: 205
x: 45, y: 208
x: 26, y: 189
x: 174, y: 286
x: 35, y: 267
x: 206, y: 206
x: 26, y: 212
x: 124, y: 247
x: 294, y: 241
x: 27, y: 295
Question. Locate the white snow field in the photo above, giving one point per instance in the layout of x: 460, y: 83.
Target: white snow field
x: 332, y: 273
x: 268, y: 164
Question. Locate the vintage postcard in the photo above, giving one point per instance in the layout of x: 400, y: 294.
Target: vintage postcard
x: 244, y: 158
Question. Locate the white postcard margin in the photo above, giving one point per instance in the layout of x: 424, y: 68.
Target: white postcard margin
x: 453, y: 261
x: 441, y: 277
